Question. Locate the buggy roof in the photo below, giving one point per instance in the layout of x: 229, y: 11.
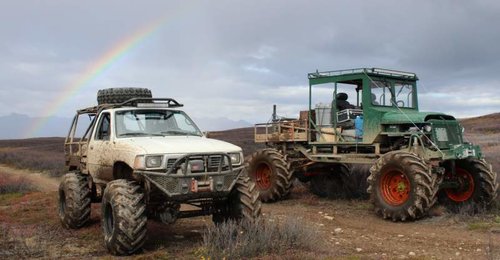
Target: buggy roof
x: 353, y: 75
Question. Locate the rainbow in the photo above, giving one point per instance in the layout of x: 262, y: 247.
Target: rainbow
x: 94, y: 70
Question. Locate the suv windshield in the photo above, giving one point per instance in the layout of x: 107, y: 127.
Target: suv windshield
x: 399, y: 94
x: 154, y: 123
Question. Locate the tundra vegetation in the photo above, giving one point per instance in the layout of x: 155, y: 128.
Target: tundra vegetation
x: 30, y: 228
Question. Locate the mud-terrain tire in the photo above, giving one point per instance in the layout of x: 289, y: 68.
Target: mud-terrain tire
x: 124, y: 220
x: 400, y: 186
x: 270, y: 171
x: 74, y: 200
x: 478, y: 185
x: 291, y: 179
x: 331, y: 183
x: 242, y: 203
x: 119, y: 95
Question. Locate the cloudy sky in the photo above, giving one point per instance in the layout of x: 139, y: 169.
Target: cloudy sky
x: 234, y: 59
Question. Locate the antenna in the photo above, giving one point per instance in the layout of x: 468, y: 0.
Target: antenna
x: 275, y: 116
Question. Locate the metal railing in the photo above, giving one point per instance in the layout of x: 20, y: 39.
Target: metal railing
x: 377, y: 71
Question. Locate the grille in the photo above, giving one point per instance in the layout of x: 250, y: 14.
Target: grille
x: 170, y: 163
x: 228, y: 180
x: 447, y: 134
x: 170, y: 184
x: 214, y: 161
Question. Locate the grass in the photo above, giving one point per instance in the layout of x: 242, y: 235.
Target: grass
x: 34, y: 241
x: 480, y: 218
x: 39, y: 154
x: 9, y: 196
x: 15, y: 185
x: 30, y: 228
x: 232, y: 240
x: 483, y: 222
x: 29, y: 239
x: 16, y: 245
x: 26, y: 158
x: 23, y: 215
x: 483, y: 226
x: 159, y: 254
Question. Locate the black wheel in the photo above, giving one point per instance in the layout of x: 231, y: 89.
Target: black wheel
x: 74, y: 200
x: 269, y: 169
x: 401, y: 186
x: 331, y: 181
x: 476, y: 185
x: 123, y: 217
x: 119, y: 95
x: 242, y: 203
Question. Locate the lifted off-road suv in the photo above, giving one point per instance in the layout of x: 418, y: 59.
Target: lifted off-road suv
x: 142, y: 158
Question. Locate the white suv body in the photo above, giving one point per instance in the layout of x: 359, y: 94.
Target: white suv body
x: 144, y: 140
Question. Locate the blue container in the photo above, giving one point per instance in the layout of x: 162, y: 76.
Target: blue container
x: 358, y: 124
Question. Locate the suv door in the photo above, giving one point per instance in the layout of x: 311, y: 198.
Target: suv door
x: 100, y: 159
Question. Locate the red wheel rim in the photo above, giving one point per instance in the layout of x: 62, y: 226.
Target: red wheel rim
x: 466, y: 185
x: 395, y: 187
x: 263, y: 176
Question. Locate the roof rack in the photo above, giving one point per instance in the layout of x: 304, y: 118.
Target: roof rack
x: 373, y: 71
x: 169, y: 102
x: 134, y: 102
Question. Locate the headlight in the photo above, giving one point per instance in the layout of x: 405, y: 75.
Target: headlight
x: 427, y: 128
x: 139, y: 163
x: 235, y: 158
x: 153, y: 161
x: 196, y: 166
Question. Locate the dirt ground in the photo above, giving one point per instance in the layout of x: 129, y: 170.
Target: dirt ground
x: 348, y: 228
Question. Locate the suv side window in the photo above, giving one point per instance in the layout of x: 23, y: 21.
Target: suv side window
x: 103, y: 128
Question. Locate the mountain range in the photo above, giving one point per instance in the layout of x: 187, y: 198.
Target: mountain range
x: 16, y: 126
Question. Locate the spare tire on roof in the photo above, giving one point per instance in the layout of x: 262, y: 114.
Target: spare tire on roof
x: 119, y: 95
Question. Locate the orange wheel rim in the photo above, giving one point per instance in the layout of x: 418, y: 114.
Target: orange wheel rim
x: 263, y: 176
x: 395, y: 187
x: 466, y: 185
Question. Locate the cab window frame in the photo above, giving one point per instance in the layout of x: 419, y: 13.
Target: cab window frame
x: 99, y: 133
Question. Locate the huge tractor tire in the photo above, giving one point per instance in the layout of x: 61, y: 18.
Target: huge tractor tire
x: 74, y: 200
x: 119, y: 95
x: 437, y: 179
x: 242, y: 203
x: 291, y: 179
x: 477, y: 185
x: 401, y: 186
x: 331, y: 182
x: 269, y: 169
x: 124, y: 220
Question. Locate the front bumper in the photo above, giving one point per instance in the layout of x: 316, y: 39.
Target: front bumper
x: 178, y: 181
x: 466, y: 150
x: 458, y: 152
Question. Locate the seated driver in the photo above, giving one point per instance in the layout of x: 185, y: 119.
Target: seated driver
x: 342, y: 102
